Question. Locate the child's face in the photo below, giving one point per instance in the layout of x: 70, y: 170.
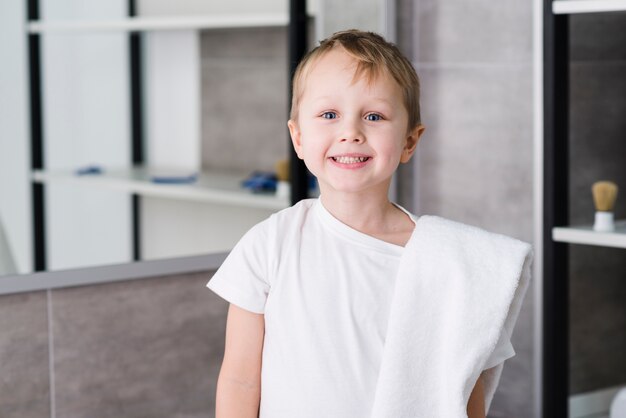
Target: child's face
x: 352, y: 134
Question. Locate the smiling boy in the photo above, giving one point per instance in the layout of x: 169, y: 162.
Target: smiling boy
x: 351, y: 127
x: 310, y: 288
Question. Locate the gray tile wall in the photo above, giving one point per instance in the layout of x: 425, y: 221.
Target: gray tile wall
x: 475, y: 161
x: 597, y: 152
x: 244, y: 99
x: 350, y: 14
x: 24, y: 370
x: 144, y: 348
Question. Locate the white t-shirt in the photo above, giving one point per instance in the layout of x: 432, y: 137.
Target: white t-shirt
x: 325, y: 290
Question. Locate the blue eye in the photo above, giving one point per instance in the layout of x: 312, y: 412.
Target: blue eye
x: 329, y: 115
x: 373, y: 117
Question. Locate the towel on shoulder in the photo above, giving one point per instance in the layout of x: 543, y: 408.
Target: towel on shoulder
x: 458, y: 288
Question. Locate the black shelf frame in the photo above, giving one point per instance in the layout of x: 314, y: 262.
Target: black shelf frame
x: 137, y: 136
x: 297, y: 42
x: 36, y: 140
x: 298, y: 172
x: 555, y: 353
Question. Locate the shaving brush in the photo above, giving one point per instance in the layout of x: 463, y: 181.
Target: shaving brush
x: 604, y: 195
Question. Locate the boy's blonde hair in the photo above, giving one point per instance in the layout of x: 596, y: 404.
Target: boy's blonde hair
x: 374, y: 56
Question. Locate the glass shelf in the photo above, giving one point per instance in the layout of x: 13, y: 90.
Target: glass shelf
x: 134, y: 24
x: 211, y: 187
x: 587, y: 6
x: 585, y: 234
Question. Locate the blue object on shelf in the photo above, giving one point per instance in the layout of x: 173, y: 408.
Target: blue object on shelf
x: 89, y: 170
x: 173, y: 179
x: 260, y: 181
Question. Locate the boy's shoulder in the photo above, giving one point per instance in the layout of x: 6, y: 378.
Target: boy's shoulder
x: 287, y: 220
x: 279, y: 229
x: 295, y: 213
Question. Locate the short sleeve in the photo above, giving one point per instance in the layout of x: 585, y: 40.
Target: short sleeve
x: 503, y: 351
x: 242, y: 279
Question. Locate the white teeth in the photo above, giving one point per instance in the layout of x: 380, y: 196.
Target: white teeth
x: 350, y: 160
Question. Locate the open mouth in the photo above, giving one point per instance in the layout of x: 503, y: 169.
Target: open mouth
x: 349, y: 160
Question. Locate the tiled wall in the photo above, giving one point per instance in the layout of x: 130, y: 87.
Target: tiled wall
x: 144, y: 348
x: 474, y: 163
x: 24, y: 364
x: 597, y: 152
x: 244, y: 99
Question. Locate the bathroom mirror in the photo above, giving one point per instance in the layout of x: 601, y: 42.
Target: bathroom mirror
x: 213, y: 85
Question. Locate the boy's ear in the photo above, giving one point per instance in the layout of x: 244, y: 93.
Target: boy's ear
x: 296, y: 136
x: 412, y: 139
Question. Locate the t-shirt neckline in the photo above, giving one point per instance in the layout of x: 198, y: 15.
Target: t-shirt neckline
x: 358, y: 237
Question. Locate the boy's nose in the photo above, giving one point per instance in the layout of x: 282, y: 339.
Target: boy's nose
x: 352, y: 133
x: 352, y: 138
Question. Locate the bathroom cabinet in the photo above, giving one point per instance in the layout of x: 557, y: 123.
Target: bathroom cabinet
x: 148, y: 129
x: 558, y: 229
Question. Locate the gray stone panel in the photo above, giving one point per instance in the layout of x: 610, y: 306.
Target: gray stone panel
x: 244, y: 99
x: 473, y: 31
x: 598, y: 36
x: 149, y: 348
x: 351, y: 14
x: 24, y: 364
x: 475, y: 159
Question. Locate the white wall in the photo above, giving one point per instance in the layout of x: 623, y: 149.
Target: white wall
x: 15, y: 197
x: 85, y: 86
x: 171, y: 71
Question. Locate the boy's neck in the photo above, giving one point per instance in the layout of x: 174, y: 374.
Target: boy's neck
x: 373, y: 215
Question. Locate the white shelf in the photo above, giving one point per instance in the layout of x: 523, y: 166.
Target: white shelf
x: 586, y: 235
x: 587, y: 6
x: 209, y: 187
x: 134, y: 24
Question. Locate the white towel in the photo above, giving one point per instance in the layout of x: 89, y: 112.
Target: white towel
x: 458, y: 288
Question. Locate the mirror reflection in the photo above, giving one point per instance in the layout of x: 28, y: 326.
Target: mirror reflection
x: 163, y: 176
